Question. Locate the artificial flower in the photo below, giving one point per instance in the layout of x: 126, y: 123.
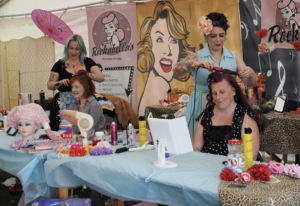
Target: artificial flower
x: 270, y: 47
x: 205, y: 25
x: 88, y: 148
x: 292, y: 170
x: 227, y: 175
x: 262, y: 48
x: 76, y: 146
x: 18, y: 144
x: 233, y: 170
x: 259, y: 172
x: 100, y: 151
x: 262, y: 77
x: 297, y: 45
x: 76, y: 152
x: 262, y: 33
x: 244, y: 178
x: 103, y: 144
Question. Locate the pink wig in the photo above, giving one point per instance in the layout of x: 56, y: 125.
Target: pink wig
x: 33, y: 112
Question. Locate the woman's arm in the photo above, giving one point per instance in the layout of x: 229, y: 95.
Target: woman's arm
x: 246, y: 73
x: 249, y: 122
x: 96, y: 74
x: 198, y: 140
x: 53, y: 79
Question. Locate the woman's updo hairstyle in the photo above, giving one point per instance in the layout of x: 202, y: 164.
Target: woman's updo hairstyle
x: 218, y: 19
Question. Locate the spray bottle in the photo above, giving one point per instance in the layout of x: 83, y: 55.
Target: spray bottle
x: 248, y: 147
x: 142, y: 130
x: 113, y: 133
x: 130, y: 140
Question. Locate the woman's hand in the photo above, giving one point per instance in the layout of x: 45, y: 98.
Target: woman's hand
x: 64, y: 82
x: 246, y: 72
x: 208, y: 64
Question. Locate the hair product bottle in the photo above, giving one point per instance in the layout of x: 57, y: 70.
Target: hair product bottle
x: 130, y: 140
x: 142, y: 130
x: 248, y: 147
x: 42, y: 99
x: 113, y: 133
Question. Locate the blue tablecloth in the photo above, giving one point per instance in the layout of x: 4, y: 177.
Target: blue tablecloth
x: 29, y: 168
x: 132, y: 176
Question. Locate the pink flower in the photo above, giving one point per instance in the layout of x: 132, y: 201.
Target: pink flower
x: 271, y: 164
x: 278, y: 164
x: 102, y: 144
x: 274, y: 170
x: 280, y: 170
x: 205, y: 25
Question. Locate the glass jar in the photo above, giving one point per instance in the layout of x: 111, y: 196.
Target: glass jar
x: 236, y: 157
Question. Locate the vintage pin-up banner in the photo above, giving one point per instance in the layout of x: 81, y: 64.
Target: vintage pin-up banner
x: 281, y: 66
x: 112, y: 43
x: 167, y: 33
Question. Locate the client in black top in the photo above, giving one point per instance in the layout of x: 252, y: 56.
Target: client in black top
x: 226, y: 116
x: 74, y: 59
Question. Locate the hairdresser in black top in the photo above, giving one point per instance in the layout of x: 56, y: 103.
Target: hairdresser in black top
x: 226, y: 116
x: 74, y: 59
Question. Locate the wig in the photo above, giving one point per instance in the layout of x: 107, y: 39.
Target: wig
x: 239, y: 97
x: 177, y: 29
x: 81, y: 45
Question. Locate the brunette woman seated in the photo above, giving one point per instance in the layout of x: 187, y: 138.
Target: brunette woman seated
x: 226, y: 116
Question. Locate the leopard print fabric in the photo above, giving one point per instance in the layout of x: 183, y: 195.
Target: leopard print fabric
x: 281, y: 133
x: 286, y: 192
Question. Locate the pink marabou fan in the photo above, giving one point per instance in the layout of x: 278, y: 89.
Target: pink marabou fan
x: 51, y: 25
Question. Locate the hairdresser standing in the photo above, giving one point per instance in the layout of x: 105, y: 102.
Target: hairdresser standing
x: 214, y: 54
x: 74, y: 59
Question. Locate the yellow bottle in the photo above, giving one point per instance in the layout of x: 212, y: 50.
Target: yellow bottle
x: 142, y: 130
x: 248, y: 147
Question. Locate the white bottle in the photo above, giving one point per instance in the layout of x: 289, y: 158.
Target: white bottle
x: 130, y: 139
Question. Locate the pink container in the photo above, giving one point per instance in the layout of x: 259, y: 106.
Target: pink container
x: 114, y: 133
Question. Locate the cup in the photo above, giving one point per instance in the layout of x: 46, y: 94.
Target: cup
x: 99, y: 135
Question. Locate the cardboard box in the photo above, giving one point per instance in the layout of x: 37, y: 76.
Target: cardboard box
x: 175, y: 96
x: 66, y: 131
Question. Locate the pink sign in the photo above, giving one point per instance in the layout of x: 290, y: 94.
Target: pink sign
x: 282, y: 21
x: 112, y: 44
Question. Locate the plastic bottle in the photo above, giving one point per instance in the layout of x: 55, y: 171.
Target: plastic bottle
x: 235, y: 155
x: 42, y: 99
x: 114, y: 134
x: 142, y: 130
x: 248, y: 147
x: 130, y: 140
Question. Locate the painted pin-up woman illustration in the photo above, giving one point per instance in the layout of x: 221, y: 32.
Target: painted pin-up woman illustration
x: 114, y: 34
x: 163, y: 43
x: 288, y: 10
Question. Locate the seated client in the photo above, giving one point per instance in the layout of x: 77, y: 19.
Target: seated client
x: 226, y: 116
x: 83, y: 90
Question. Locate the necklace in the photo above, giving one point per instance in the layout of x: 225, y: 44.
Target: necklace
x: 68, y: 64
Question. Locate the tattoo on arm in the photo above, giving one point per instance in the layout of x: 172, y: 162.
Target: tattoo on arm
x: 51, y: 79
x: 94, y: 75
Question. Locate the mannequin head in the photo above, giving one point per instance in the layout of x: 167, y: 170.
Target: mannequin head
x: 27, y: 128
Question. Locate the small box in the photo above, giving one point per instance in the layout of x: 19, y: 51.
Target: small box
x: 66, y: 131
x: 175, y: 96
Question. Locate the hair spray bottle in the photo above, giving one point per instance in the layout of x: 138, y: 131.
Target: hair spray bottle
x: 248, y: 147
x: 130, y: 140
x: 113, y: 133
x: 142, y: 130
x: 42, y: 99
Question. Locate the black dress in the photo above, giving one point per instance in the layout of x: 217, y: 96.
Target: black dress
x: 215, y: 141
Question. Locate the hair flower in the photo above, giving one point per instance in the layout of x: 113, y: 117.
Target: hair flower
x: 18, y: 144
x: 260, y: 172
x: 276, y: 168
x: 262, y: 48
x: 205, y: 25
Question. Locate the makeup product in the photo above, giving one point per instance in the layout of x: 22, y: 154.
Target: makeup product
x: 42, y: 99
x: 99, y: 135
x: 114, y: 133
x: 248, y: 147
x: 130, y: 140
x: 142, y: 130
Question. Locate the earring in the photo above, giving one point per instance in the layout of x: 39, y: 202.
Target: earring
x: 225, y: 38
x: 205, y: 40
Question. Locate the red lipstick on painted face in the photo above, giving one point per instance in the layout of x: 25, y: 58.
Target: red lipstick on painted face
x: 166, y: 64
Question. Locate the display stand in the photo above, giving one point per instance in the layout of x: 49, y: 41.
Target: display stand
x: 161, y: 156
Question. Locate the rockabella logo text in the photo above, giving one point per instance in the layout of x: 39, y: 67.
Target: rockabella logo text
x: 288, y: 37
x: 111, y: 34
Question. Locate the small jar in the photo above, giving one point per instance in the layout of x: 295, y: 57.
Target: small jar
x: 236, y: 157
